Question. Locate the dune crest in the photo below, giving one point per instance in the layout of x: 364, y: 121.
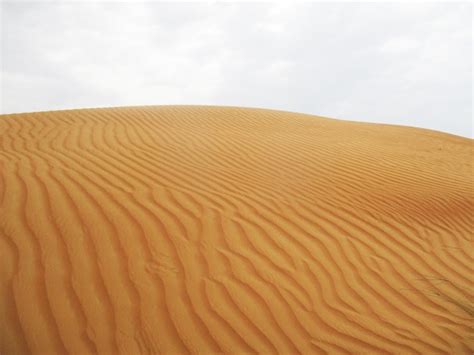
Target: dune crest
x: 185, y: 229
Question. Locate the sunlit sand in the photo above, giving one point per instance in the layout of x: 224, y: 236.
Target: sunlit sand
x: 187, y: 229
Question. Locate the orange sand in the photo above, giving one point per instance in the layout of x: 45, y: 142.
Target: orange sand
x: 211, y: 229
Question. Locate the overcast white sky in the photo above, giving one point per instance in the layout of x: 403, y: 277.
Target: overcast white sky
x: 404, y: 63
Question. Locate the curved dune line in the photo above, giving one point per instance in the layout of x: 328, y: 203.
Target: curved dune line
x: 189, y: 229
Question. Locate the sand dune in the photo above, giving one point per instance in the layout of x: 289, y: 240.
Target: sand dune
x: 184, y: 229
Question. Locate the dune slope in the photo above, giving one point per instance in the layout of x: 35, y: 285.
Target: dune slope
x: 183, y: 229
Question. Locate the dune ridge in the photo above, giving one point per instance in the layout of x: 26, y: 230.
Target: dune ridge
x: 188, y: 229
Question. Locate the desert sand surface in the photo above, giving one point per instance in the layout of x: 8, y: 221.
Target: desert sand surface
x: 194, y: 229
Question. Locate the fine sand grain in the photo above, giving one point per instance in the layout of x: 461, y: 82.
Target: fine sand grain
x: 186, y: 229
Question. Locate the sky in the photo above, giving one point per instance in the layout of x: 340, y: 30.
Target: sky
x: 403, y: 63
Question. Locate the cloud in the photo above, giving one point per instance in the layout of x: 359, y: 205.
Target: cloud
x: 392, y: 63
x: 399, y: 45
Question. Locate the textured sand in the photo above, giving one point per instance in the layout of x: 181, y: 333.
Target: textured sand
x: 209, y: 229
